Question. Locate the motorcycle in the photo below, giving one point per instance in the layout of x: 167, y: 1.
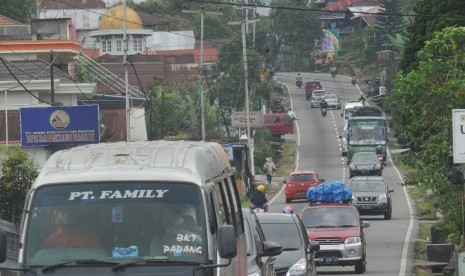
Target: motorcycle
x: 298, y: 82
x: 258, y: 209
x: 333, y: 72
x: 354, y: 81
x: 323, y: 112
x: 381, y: 159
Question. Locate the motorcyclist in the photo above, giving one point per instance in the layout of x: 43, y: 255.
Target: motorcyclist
x: 324, y: 107
x: 288, y: 210
x: 354, y: 80
x: 379, y: 150
x: 332, y: 69
x: 298, y: 80
x: 258, y: 199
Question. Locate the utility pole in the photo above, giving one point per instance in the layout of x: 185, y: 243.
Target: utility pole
x: 250, y: 142
x: 126, y: 81
x: 202, y: 101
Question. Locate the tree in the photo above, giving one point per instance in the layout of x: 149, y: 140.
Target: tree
x: 431, y: 16
x: 421, y: 105
x: 18, y: 172
x: 297, y: 28
x: 390, y: 23
x: 18, y: 10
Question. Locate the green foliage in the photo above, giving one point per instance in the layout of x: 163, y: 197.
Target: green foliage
x: 296, y: 29
x: 421, y: 105
x: 432, y: 16
x: 18, y: 10
x: 173, y: 112
x: 18, y: 172
x: 263, y: 148
x: 389, y: 24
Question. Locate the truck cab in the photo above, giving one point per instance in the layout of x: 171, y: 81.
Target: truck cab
x: 278, y: 124
x: 310, y: 86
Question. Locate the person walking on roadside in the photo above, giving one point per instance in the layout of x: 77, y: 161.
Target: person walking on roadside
x: 269, y: 168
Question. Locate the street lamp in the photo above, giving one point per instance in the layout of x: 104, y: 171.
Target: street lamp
x: 201, y: 12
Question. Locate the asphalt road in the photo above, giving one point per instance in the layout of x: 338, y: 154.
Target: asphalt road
x: 390, y: 243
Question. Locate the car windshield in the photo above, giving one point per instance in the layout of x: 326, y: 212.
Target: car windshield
x: 367, y: 186
x: 319, y: 93
x: 329, y: 217
x: 284, y: 233
x: 302, y: 177
x: 117, y: 221
x: 365, y: 158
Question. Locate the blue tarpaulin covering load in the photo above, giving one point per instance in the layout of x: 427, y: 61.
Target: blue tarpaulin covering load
x: 336, y: 191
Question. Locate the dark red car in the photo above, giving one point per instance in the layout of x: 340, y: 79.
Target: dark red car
x: 298, y: 182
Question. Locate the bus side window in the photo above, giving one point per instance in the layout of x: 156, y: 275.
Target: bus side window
x: 221, y: 198
x: 236, y: 210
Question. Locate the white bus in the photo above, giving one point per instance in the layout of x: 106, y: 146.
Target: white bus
x: 134, y: 208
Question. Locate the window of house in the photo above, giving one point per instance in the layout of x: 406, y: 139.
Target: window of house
x: 118, y: 45
x: 109, y: 45
x: 104, y: 46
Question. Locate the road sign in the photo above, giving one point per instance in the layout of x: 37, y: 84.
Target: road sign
x: 458, y: 135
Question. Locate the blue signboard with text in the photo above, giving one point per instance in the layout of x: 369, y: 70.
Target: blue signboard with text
x: 59, y: 125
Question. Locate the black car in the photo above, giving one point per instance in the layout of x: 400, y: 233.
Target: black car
x: 260, y: 253
x: 298, y: 253
x: 371, y: 195
x: 365, y: 163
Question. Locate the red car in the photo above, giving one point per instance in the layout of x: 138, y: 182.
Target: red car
x: 298, y: 182
x: 338, y: 229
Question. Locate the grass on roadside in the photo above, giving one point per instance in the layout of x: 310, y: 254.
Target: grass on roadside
x: 287, y: 165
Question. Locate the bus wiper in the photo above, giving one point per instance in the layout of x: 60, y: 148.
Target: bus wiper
x: 147, y: 261
x: 50, y: 268
x: 290, y: 249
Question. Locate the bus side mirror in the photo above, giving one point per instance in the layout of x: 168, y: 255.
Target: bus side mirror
x: 226, y: 240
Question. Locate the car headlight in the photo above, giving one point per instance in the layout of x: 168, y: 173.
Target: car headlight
x: 378, y: 166
x: 382, y: 197
x: 298, y: 268
x: 256, y: 273
x: 352, y: 240
x: 352, y: 167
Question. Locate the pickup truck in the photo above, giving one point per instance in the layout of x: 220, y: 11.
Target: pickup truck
x: 310, y: 86
x: 278, y: 124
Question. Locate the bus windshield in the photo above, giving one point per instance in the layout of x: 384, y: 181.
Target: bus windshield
x: 368, y: 134
x: 117, y: 222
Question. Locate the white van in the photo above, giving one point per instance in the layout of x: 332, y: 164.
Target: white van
x: 134, y: 208
x: 349, y: 107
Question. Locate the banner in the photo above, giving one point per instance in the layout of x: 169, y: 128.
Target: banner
x: 458, y: 135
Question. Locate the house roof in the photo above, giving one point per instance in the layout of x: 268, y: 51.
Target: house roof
x: 343, y: 5
x: 143, y: 69
x: 73, y: 4
x: 366, y: 13
x: 152, y: 19
x: 26, y: 70
x: 6, y: 21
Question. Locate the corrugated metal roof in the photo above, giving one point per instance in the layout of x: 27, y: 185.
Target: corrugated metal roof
x: 30, y: 70
x: 178, y: 40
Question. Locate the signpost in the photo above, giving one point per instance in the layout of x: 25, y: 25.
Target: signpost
x: 458, y: 135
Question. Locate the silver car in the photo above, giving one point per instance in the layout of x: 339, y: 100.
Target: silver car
x: 371, y: 195
x: 333, y: 101
x: 317, y: 97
